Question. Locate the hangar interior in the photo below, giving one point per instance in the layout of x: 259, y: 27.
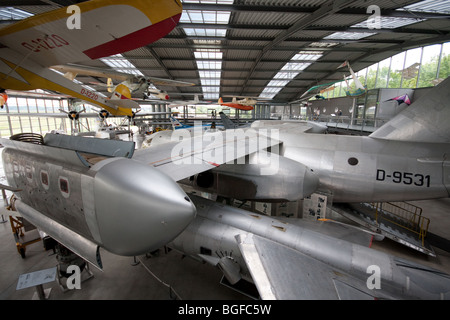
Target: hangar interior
x: 275, y: 51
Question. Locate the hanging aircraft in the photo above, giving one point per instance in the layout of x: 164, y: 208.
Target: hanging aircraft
x: 315, y: 90
x: 245, y: 104
x: 32, y: 46
x: 359, y: 88
x: 179, y: 103
x: 142, y: 86
x: 294, y: 259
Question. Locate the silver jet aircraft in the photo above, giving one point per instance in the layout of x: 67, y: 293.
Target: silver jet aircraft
x: 405, y: 159
x: 90, y: 193
x: 294, y: 261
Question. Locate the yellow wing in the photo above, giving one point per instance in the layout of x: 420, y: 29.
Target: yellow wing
x: 107, y: 27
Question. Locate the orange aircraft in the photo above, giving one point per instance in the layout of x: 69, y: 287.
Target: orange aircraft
x: 236, y: 105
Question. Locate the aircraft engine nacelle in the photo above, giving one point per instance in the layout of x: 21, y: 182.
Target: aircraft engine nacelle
x: 263, y: 177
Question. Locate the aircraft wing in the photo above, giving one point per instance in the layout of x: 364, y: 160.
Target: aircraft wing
x: 318, y: 87
x: 310, y: 279
x: 116, y: 75
x: 96, y: 31
x: 187, y: 156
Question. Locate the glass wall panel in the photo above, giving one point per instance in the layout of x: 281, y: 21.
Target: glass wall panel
x: 395, y: 75
x: 429, y: 66
x: 444, y: 68
x: 411, y: 70
x: 371, y: 77
x: 383, y: 71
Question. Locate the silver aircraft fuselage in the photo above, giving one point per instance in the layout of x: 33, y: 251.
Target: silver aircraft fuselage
x: 86, y: 201
x: 365, y: 169
x: 300, y: 263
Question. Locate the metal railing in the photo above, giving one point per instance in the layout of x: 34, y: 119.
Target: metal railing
x: 346, y: 122
x: 404, y: 215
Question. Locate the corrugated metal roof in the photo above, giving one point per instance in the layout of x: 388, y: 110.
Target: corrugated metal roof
x: 263, y: 35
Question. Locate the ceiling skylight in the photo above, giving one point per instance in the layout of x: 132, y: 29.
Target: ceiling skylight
x: 349, y: 35
x: 307, y: 55
x: 121, y: 64
x: 209, y: 71
x: 204, y: 16
x: 437, y: 6
x: 289, y: 71
x: 10, y: 13
x: 208, y: 54
x: 199, y: 32
x: 390, y: 22
x: 209, y: 61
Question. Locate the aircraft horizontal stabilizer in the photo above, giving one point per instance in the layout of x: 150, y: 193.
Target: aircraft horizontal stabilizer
x: 310, y: 279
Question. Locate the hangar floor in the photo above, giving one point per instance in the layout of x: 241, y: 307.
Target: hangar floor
x: 189, y: 279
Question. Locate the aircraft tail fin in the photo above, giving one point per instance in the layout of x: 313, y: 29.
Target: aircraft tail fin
x: 425, y: 120
x: 121, y: 97
x: 227, y: 123
x: 175, y: 123
x: 220, y: 100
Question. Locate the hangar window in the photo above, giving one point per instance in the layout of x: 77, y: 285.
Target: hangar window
x: 44, y: 179
x: 64, y: 186
x: 16, y: 168
x: 29, y: 173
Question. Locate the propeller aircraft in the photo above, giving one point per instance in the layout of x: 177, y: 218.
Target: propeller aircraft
x: 30, y: 47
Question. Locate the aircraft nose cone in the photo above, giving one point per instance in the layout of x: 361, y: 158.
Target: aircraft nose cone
x: 138, y: 208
